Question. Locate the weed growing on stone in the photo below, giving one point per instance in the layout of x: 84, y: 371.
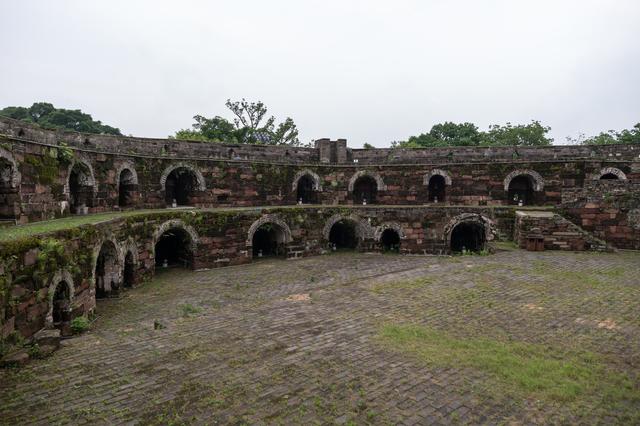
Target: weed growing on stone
x: 187, y: 310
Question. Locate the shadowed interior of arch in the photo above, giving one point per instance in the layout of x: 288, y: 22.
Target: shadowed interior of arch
x: 437, y: 188
x: 468, y: 236
x: 390, y: 240
x: 521, y: 190
x: 305, y: 191
x: 343, y: 235
x: 173, y: 249
x: 7, y: 193
x: 365, y: 188
x: 61, y: 304
x: 107, y: 274
x: 80, y: 188
x: 609, y: 176
x: 126, y: 188
x: 128, y: 273
x: 268, y: 240
x: 180, y: 186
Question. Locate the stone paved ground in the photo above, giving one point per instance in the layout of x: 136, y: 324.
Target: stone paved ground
x: 235, y: 350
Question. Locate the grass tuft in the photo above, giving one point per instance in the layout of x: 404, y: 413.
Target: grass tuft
x: 518, y: 368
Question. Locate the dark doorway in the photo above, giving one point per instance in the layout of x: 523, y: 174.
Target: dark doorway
x: 8, y: 195
x: 61, y: 301
x: 129, y: 273
x: 80, y: 189
x: 609, y: 176
x: 107, y: 273
x: 173, y: 249
x: 390, y: 241
x: 365, y: 189
x: 268, y: 241
x: 126, y: 188
x: 437, y: 188
x: 305, y: 192
x: 468, y: 236
x: 343, y: 235
x: 521, y: 190
x: 180, y: 186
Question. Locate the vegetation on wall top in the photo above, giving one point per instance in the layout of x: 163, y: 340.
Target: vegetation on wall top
x: 49, y: 117
x: 611, y: 137
x: 468, y: 134
x: 250, y: 126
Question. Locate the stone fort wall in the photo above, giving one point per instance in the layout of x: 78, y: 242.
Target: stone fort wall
x: 37, y: 177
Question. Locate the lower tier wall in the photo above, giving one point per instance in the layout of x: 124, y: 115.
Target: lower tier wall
x: 91, y: 259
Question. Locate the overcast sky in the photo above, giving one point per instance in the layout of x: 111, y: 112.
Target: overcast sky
x: 369, y: 71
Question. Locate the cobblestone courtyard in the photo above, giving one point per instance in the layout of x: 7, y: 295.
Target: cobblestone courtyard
x: 315, y: 341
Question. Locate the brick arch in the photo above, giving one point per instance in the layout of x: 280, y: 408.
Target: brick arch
x: 376, y: 176
x: 14, y: 178
x: 175, y: 223
x: 127, y: 165
x: 129, y: 245
x: 363, y: 229
x: 377, y: 234
x: 487, y: 224
x: 167, y: 171
x: 96, y: 253
x: 306, y: 172
x: 268, y: 218
x: 60, y: 276
x: 90, y: 177
x: 611, y: 170
x: 538, y: 181
x: 437, y: 172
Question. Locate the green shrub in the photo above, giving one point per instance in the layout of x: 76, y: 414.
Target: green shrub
x: 80, y: 324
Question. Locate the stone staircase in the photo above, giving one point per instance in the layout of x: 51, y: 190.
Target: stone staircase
x: 558, y: 232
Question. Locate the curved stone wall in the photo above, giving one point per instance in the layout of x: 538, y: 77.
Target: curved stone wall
x: 40, y: 163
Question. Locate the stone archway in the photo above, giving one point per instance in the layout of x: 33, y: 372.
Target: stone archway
x: 107, y: 268
x: 268, y: 236
x: 127, y: 184
x: 9, y: 174
x: 179, y: 181
x: 364, y: 186
x: 306, y: 185
x: 611, y: 173
x: 60, y: 299
x: 9, y: 186
x: 521, y: 187
x: 174, y: 243
x: 130, y: 262
x: 80, y: 186
x: 363, y: 230
x: 436, y: 182
x: 480, y: 230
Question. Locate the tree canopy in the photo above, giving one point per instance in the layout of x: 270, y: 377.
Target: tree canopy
x: 468, y: 134
x: 250, y: 125
x: 49, y: 117
x: 605, y: 138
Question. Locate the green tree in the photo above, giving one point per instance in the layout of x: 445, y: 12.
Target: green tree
x: 610, y: 137
x: 49, y: 117
x: 250, y: 125
x: 467, y: 134
x: 368, y: 146
x: 533, y: 134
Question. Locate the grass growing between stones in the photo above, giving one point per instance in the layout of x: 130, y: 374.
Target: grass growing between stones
x: 520, y: 369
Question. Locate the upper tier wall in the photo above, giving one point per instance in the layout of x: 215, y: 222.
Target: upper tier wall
x: 171, y: 148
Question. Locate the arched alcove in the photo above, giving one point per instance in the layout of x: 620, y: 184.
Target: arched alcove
x: 107, y: 273
x: 180, y: 183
